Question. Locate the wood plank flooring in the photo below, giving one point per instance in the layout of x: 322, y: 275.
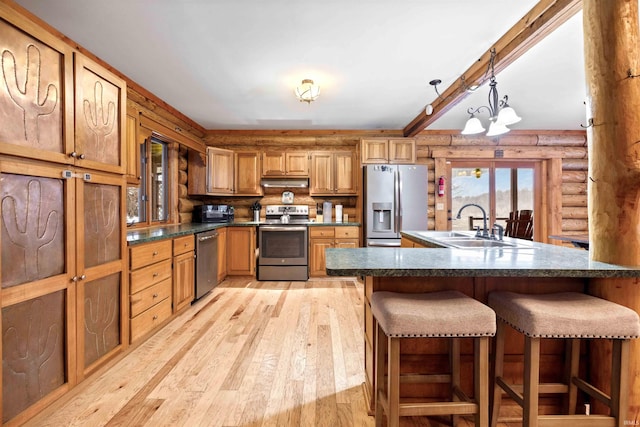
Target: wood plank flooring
x: 248, y: 354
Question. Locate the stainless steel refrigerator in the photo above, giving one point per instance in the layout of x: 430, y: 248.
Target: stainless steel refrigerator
x: 395, y: 199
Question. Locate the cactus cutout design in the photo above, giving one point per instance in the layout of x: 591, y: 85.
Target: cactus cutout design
x: 100, y: 125
x: 100, y: 221
x: 38, y: 349
x: 28, y: 95
x: 29, y: 230
x: 99, y: 315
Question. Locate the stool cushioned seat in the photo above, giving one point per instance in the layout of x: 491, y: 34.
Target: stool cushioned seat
x: 437, y: 314
x: 565, y: 315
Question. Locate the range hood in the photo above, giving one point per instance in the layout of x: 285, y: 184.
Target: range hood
x: 285, y: 182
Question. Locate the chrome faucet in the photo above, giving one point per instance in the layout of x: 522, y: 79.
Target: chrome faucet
x: 485, y: 231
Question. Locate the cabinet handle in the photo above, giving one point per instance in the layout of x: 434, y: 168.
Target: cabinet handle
x: 155, y: 274
x: 155, y: 253
x: 81, y: 156
x: 155, y: 295
x: 73, y: 154
x: 74, y: 279
x: 83, y: 277
x: 155, y: 317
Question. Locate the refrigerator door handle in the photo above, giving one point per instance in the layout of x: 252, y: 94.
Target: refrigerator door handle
x: 399, y: 218
x: 396, y: 201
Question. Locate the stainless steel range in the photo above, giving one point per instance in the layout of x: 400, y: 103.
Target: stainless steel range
x: 283, y: 243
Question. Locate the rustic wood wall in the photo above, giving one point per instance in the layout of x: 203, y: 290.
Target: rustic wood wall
x: 569, y: 146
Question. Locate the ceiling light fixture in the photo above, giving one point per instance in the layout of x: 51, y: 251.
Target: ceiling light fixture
x: 307, y: 91
x: 500, y: 113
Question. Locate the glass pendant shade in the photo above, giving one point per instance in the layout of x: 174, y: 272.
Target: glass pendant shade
x: 473, y: 126
x: 307, y: 91
x: 507, y: 116
x: 496, y: 128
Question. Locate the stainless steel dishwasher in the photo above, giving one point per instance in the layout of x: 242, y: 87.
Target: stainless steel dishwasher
x: 206, y: 262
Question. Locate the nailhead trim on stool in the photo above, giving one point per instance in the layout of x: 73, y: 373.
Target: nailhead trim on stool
x: 571, y: 316
x: 447, y: 314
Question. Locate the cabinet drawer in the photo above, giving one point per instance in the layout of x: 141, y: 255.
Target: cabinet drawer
x: 147, y: 276
x: 147, y: 320
x: 321, y: 231
x: 183, y: 244
x: 147, y: 298
x: 149, y: 253
x: 347, y: 232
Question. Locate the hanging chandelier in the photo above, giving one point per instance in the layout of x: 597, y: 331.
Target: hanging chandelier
x: 501, y: 114
x: 307, y: 91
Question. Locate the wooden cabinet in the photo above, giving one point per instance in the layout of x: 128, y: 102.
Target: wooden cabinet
x: 151, y: 286
x: 378, y: 150
x: 223, y: 172
x: 211, y: 173
x: 183, y: 272
x: 247, y: 174
x: 324, y: 237
x: 241, y: 251
x: 132, y: 147
x: 280, y: 164
x: 333, y: 173
x: 222, y: 254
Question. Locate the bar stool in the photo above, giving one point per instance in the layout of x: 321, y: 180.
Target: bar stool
x: 572, y: 316
x: 449, y: 314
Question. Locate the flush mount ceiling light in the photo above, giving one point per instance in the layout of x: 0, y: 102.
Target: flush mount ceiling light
x: 500, y: 113
x: 307, y: 91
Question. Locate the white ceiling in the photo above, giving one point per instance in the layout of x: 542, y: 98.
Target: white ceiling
x: 234, y: 64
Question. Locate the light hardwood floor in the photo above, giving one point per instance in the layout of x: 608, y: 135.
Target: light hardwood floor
x: 248, y: 354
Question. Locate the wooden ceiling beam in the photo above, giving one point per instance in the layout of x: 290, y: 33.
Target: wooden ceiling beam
x: 542, y: 19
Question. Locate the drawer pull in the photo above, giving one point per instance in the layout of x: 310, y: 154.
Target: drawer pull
x: 155, y: 317
x: 155, y: 253
x: 155, y: 295
x: 155, y: 274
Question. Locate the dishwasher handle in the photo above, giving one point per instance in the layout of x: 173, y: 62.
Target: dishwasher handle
x: 210, y: 236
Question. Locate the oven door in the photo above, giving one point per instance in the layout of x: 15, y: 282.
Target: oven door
x: 282, y: 245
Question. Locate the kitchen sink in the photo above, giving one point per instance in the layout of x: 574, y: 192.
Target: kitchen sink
x: 472, y: 242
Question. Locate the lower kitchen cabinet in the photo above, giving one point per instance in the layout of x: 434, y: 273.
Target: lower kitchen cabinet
x: 241, y: 251
x: 183, y: 272
x: 324, y: 237
x: 150, y: 286
x: 222, y: 254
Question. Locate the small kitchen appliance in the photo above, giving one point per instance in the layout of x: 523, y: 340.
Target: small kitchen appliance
x: 213, y: 213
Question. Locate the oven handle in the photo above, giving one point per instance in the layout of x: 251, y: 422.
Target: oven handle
x: 281, y: 228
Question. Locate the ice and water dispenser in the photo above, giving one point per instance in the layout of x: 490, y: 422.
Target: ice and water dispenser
x: 382, y: 216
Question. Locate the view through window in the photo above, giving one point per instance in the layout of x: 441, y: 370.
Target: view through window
x: 498, y: 187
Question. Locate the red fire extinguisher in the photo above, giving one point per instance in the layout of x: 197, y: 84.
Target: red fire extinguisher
x: 441, y: 186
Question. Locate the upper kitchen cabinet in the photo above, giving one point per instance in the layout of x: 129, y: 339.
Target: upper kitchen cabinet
x: 396, y: 151
x: 133, y: 146
x: 333, y: 173
x: 211, y: 174
x: 223, y: 172
x: 36, y: 91
x: 247, y: 174
x: 279, y: 164
x: 100, y: 117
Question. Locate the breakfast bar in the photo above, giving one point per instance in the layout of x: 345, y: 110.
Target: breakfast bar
x: 518, y: 266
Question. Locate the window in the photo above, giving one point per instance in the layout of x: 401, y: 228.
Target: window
x: 148, y: 202
x: 498, y: 187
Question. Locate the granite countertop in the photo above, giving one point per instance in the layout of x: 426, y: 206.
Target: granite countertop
x: 135, y: 237
x: 532, y: 259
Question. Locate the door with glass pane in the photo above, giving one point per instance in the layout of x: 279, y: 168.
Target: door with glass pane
x: 496, y: 187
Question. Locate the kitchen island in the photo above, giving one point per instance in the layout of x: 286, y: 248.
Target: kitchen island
x: 526, y: 267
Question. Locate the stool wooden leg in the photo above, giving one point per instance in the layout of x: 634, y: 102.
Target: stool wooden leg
x: 381, y: 347
x: 454, y: 361
x: 620, y: 380
x: 393, y: 381
x: 481, y: 380
x: 571, y: 366
x: 498, y: 371
x: 531, y: 381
